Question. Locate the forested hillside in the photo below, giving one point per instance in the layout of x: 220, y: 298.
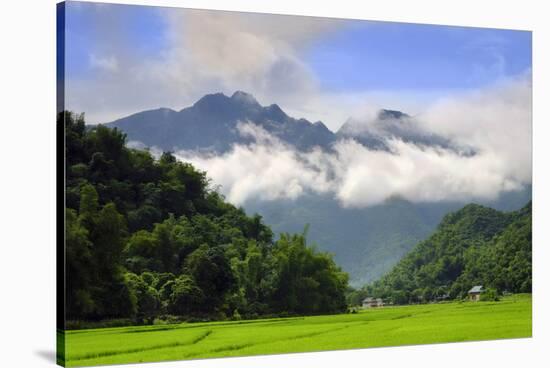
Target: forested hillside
x: 366, y: 242
x: 473, y: 246
x: 147, y: 238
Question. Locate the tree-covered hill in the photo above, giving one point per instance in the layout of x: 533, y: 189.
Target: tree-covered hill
x: 367, y: 242
x: 147, y: 238
x: 473, y: 246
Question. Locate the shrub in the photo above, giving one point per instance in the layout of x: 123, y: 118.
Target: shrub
x: 489, y: 295
x: 236, y: 316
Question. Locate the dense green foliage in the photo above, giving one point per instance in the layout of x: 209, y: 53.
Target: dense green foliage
x: 407, y: 325
x: 367, y: 242
x: 473, y: 246
x: 148, y: 237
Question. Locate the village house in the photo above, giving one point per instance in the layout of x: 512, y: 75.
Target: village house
x: 372, y: 302
x: 475, y: 293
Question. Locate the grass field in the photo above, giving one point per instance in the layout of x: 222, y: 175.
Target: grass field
x: 388, y: 326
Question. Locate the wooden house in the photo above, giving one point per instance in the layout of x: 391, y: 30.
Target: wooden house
x: 475, y: 293
x: 372, y: 302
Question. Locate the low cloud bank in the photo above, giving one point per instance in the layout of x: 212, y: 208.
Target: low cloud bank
x: 495, y: 122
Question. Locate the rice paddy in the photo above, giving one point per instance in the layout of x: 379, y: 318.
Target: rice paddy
x: 376, y: 327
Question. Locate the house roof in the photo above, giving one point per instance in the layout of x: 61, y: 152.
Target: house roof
x: 476, y: 289
x: 372, y: 300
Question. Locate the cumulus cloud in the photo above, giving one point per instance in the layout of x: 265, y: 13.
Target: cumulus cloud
x: 204, y: 52
x: 258, y: 53
x: 108, y: 63
x: 266, y: 169
x: 211, y: 51
x: 495, y: 122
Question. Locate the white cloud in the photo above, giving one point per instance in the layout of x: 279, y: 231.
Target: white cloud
x: 266, y: 169
x: 206, y: 52
x: 109, y: 63
x: 495, y: 122
x: 212, y: 51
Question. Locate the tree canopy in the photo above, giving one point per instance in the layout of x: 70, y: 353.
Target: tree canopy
x: 473, y: 246
x: 148, y: 237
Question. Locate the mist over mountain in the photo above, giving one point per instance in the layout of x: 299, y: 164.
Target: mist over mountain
x: 387, y: 124
x: 211, y: 125
x: 368, y: 192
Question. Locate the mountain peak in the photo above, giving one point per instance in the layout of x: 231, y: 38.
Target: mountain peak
x: 276, y: 113
x: 210, y: 124
x: 219, y: 103
x: 211, y: 99
x: 244, y: 98
x: 319, y: 124
x: 384, y: 114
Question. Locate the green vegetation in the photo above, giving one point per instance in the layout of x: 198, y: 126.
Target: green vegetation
x: 388, y: 326
x: 151, y: 244
x: 366, y: 242
x: 149, y: 238
x: 473, y: 246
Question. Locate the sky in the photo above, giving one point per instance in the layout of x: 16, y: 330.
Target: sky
x: 121, y: 59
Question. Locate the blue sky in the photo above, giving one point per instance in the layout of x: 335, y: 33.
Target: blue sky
x: 141, y: 28
x: 384, y: 55
x: 174, y: 52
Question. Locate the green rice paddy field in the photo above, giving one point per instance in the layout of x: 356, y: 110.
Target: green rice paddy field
x: 388, y: 326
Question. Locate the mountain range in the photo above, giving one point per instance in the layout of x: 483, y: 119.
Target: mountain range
x: 366, y: 242
x: 211, y: 125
